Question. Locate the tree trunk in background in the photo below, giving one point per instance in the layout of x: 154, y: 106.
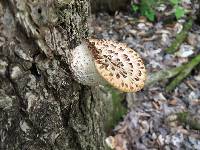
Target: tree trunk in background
x: 109, y: 5
x: 198, y: 14
x: 41, y: 106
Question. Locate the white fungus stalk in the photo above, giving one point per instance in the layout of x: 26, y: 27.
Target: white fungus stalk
x: 97, y: 62
x: 83, y: 67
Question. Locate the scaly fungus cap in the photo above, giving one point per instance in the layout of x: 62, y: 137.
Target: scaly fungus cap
x: 118, y: 64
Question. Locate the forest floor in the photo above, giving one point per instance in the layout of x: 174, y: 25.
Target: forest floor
x: 156, y: 119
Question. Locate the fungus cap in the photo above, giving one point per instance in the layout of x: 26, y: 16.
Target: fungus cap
x: 118, y: 64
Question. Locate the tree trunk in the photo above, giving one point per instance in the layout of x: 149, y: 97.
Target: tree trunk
x: 41, y: 106
x: 198, y: 14
x: 109, y: 5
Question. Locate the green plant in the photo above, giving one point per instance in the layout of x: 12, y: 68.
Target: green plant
x: 134, y: 8
x: 147, y: 8
x: 179, y: 10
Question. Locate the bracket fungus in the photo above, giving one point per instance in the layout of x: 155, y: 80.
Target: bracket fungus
x: 96, y: 62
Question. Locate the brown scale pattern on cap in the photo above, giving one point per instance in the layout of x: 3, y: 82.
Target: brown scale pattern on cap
x: 118, y: 64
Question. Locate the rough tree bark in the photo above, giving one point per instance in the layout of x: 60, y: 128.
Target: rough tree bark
x: 41, y: 106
